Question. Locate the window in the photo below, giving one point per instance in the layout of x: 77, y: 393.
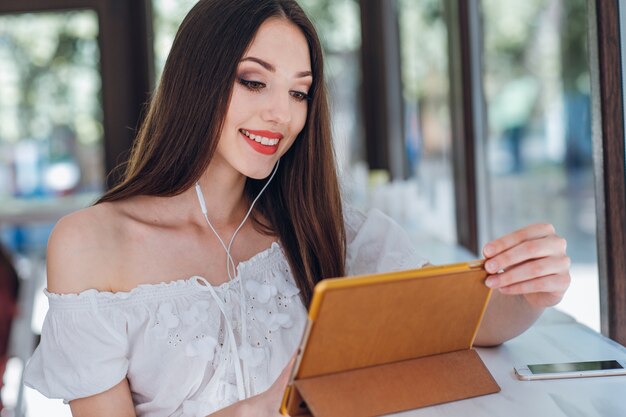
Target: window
x: 168, y: 15
x: 72, y: 83
x: 338, y: 24
x: 537, y: 88
x: 51, y: 134
x: 427, y: 125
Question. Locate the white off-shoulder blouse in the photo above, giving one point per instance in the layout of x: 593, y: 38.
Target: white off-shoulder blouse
x: 183, y: 345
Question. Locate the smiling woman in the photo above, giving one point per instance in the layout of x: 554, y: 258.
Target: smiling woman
x: 165, y: 301
x: 222, y: 117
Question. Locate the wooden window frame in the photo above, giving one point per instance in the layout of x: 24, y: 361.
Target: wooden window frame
x: 609, y: 161
x: 468, y: 115
x: 126, y: 65
x: 382, y: 104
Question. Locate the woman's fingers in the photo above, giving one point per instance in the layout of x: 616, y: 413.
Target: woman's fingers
x: 532, y: 249
x: 532, y: 232
x: 532, y: 262
x: 555, y: 283
x: 542, y: 282
x: 530, y: 270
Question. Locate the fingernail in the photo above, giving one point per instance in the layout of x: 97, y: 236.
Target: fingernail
x: 492, y: 266
x: 488, y: 250
x: 491, y: 282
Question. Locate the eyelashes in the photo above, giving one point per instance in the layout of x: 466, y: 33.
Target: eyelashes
x: 300, y: 96
x: 251, y: 85
x: 257, y: 86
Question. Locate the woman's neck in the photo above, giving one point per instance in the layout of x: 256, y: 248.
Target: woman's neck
x: 224, y: 198
x: 223, y: 190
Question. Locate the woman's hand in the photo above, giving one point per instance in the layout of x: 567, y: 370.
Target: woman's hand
x: 267, y: 404
x: 531, y: 262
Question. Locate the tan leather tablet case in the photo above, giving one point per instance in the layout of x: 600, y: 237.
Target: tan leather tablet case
x: 386, y: 343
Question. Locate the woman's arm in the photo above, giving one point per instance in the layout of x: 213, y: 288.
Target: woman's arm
x: 116, y: 401
x: 74, y: 263
x: 266, y: 404
x: 529, y: 271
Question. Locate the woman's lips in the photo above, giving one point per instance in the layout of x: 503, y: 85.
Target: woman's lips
x: 262, y: 141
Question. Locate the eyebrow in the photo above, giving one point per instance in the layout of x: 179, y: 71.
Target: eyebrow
x: 271, y: 68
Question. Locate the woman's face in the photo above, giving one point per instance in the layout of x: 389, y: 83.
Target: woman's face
x: 268, y: 107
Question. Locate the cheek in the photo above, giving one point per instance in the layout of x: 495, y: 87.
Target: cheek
x: 297, y: 124
x: 299, y: 119
x: 239, y: 108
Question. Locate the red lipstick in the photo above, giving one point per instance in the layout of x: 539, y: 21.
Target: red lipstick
x: 265, y: 133
x: 267, y: 149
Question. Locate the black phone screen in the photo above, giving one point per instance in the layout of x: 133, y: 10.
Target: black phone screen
x: 574, y: 367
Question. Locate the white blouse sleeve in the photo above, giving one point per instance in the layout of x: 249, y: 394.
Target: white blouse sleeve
x: 83, y: 349
x: 376, y: 243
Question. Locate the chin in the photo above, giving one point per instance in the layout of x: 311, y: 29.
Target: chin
x: 258, y: 172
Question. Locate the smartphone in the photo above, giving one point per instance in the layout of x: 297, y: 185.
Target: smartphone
x: 571, y: 369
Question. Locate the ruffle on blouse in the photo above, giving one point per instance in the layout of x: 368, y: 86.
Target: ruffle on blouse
x: 259, y: 263
x: 376, y: 243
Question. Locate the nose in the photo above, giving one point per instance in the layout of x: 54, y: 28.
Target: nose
x: 277, y: 108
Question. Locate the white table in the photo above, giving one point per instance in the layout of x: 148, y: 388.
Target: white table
x: 556, y: 337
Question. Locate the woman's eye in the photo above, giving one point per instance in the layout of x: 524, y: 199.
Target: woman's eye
x: 300, y: 96
x: 251, y: 85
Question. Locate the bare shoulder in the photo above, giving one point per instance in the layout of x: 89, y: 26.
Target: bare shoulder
x: 81, y: 248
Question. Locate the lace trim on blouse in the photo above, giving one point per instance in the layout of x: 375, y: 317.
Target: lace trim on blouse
x: 270, y: 257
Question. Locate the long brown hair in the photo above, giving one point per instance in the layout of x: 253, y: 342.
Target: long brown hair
x: 184, y: 121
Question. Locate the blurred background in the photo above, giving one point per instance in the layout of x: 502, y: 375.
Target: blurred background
x: 59, y: 141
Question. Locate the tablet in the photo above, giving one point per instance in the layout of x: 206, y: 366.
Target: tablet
x: 365, y: 322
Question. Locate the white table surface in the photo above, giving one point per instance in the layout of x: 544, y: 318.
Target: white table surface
x: 556, y: 337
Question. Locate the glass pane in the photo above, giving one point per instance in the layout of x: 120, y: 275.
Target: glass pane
x: 425, y: 79
x: 167, y: 16
x: 50, y: 117
x: 339, y: 26
x: 539, y: 145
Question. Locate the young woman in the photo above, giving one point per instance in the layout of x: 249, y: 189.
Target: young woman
x: 182, y: 292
